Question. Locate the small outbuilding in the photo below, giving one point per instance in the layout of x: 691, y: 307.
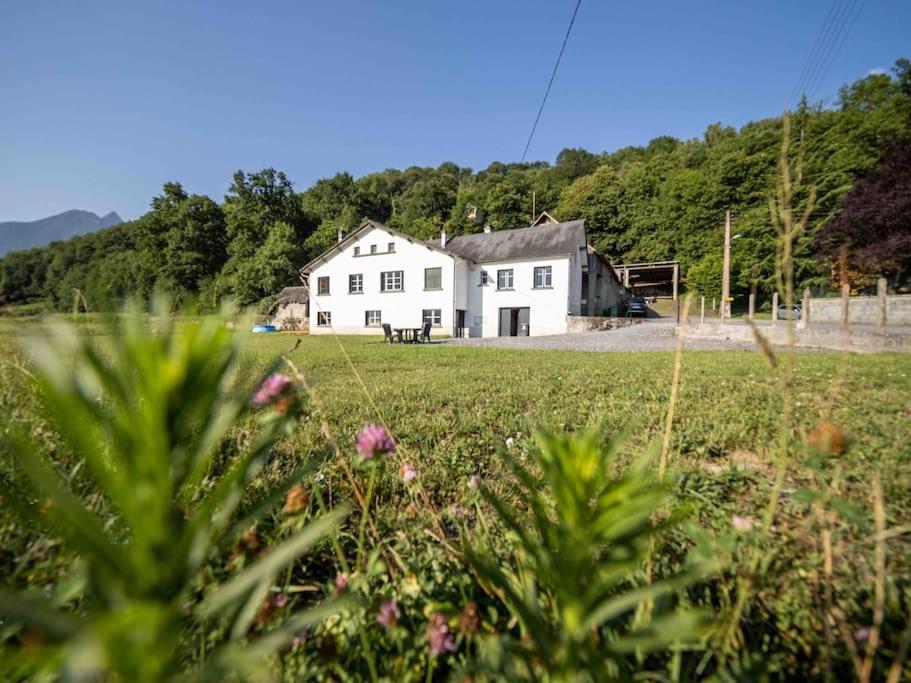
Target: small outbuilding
x: 291, y: 310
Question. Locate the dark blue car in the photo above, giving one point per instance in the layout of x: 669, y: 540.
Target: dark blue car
x: 637, y: 306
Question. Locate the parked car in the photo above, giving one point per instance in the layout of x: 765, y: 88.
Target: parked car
x: 792, y: 312
x: 637, y: 306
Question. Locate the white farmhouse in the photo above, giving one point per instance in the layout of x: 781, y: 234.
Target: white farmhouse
x: 529, y: 281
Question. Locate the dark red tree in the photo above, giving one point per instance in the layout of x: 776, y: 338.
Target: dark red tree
x: 874, y: 226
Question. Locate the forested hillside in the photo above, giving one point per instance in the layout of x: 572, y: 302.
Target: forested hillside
x: 662, y: 201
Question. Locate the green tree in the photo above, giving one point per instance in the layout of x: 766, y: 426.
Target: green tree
x: 596, y: 198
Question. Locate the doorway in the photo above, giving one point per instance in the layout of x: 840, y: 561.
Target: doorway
x: 460, y: 323
x: 515, y: 322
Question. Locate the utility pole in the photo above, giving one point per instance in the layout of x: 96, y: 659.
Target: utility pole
x: 726, y: 269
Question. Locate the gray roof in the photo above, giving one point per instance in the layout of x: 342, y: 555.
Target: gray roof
x: 367, y: 225
x: 538, y: 241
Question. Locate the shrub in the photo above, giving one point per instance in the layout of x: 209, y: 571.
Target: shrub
x: 149, y: 416
x: 569, y: 577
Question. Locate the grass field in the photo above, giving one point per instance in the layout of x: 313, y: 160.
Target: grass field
x: 453, y: 410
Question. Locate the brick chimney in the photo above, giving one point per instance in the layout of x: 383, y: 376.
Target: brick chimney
x: 341, y: 235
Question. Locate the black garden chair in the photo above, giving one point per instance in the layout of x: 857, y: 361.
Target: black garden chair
x: 389, y: 337
x: 425, y: 333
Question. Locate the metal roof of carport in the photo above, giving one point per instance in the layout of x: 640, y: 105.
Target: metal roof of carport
x: 657, y: 272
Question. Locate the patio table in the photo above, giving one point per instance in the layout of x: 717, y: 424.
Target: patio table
x: 409, y: 334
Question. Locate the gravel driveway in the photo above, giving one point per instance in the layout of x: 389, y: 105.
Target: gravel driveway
x: 651, y: 335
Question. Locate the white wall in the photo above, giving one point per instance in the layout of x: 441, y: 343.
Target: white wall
x: 290, y: 311
x: 399, y: 309
x: 548, y: 306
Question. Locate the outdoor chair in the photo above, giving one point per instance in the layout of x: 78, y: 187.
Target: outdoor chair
x: 425, y: 333
x: 387, y: 332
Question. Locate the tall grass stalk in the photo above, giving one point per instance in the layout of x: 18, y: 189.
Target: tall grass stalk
x: 314, y: 397
x: 789, y: 225
x: 401, y: 449
x: 645, y: 612
x: 675, y: 385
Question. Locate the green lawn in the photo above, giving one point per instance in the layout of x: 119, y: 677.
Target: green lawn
x: 453, y: 409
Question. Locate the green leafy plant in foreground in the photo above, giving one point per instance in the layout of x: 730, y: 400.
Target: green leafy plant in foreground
x: 569, y: 577
x: 149, y: 415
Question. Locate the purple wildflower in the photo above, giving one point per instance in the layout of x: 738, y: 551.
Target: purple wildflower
x: 388, y: 614
x: 272, y: 388
x: 862, y: 634
x: 281, y: 600
x: 439, y: 638
x: 374, y: 441
x: 341, y: 582
x: 408, y: 472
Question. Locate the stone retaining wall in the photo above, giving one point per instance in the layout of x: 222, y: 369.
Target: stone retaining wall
x: 852, y: 340
x: 592, y: 323
x: 862, y: 310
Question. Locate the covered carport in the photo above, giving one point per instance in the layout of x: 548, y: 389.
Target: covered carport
x: 657, y: 278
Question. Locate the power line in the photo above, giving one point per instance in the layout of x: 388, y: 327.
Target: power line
x: 838, y: 22
x: 847, y: 25
x: 842, y: 16
x: 551, y: 81
x: 795, y: 92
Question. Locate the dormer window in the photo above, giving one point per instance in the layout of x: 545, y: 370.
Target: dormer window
x: 357, y: 251
x: 372, y: 248
x: 391, y: 249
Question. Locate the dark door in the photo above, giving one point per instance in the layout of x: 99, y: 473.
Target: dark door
x: 514, y: 322
x: 460, y: 322
x: 524, y: 317
x: 506, y: 322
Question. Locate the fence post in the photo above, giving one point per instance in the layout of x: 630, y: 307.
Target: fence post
x: 774, y: 307
x: 845, y: 302
x: 752, y: 307
x: 713, y: 304
x: 881, y: 295
x: 702, y: 312
x: 805, y: 310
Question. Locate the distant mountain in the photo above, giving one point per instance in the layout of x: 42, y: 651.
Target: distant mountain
x: 24, y: 235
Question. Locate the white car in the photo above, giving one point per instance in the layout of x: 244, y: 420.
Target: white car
x: 792, y: 312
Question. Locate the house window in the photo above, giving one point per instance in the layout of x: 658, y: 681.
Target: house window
x: 357, y: 251
x: 483, y: 280
x: 323, y: 318
x: 392, y: 281
x: 434, y: 316
x: 322, y: 285
x: 504, y: 279
x: 542, y: 277
x: 373, y: 318
x: 391, y: 247
x: 372, y: 248
x: 433, y: 278
x: 356, y: 284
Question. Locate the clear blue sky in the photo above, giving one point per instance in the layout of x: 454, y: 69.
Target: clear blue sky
x: 101, y: 102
